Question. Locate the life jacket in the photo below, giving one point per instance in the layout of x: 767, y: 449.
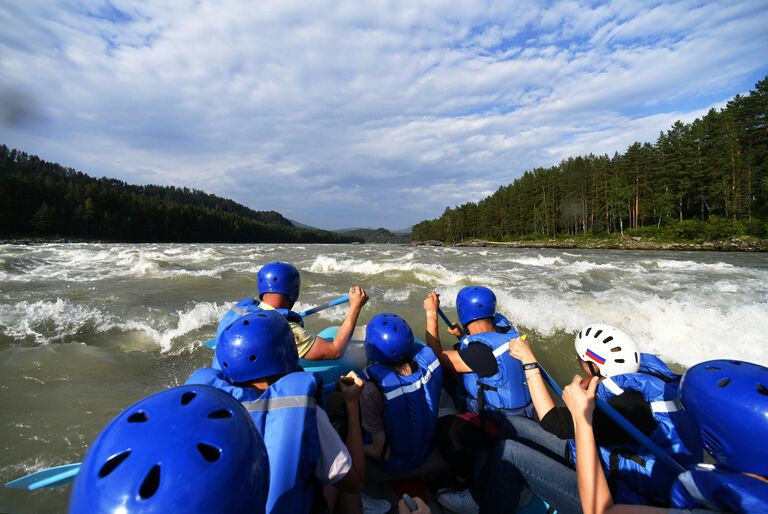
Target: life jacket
x: 634, y: 475
x: 286, y: 418
x: 506, y: 390
x: 247, y: 306
x: 411, y: 406
x: 707, y: 487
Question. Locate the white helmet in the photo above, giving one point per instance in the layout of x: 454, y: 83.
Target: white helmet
x: 612, y: 350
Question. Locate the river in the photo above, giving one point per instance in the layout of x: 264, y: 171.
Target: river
x: 87, y: 329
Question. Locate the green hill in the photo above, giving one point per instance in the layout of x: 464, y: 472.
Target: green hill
x: 46, y: 200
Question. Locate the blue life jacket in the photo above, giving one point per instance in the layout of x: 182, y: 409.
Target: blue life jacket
x: 634, y: 475
x: 707, y: 487
x: 411, y: 406
x: 247, y: 306
x: 286, y: 418
x: 507, y: 390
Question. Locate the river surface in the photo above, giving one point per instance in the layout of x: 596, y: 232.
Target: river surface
x: 88, y: 329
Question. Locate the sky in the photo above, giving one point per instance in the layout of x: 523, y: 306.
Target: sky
x: 360, y: 113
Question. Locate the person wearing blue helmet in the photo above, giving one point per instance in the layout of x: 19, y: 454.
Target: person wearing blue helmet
x: 186, y: 449
x: 401, y: 399
x: 279, y: 285
x: 727, y: 401
x: 493, y: 382
x: 258, y: 364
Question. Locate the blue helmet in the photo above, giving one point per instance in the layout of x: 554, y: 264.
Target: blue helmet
x: 388, y: 339
x: 279, y: 277
x: 475, y: 302
x: 191, y: 448
x: 728, y: 402
x: 257, y: 345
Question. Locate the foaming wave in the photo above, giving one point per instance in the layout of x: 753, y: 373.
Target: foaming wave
x: 57, y: 321
x: 46, y: 321
x: 667, y: 264
x: 427, y: 273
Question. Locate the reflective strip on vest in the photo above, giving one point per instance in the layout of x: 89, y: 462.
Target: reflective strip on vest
x: 661, y: 406
x: 612, y: 386
x: 285, y: 402
x: 241, y: 311
x: 686, y: 479
x: 391, y: 395
x: 501, y: 350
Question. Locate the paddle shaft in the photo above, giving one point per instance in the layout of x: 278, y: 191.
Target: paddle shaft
x: 332, y: 303
x: 620, y: 420
x: 447, y: 321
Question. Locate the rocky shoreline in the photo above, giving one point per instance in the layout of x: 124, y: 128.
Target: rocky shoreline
x: 627, y: 243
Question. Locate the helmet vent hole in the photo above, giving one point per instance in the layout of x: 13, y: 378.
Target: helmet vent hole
x: 724, y: 382
x: 225, y: 364
x: 385, y: 323
x: 616, y: 349
x: 209, y: 453
x: 394, y: 328
x: 587, y: 332
x: 151, y: 483
x: 637, y: 359
x: 112, y: 463
x: 251, y: 358
x: 597, y: 334
x: 138, y: 417
x: 736, y: 363
x: 762, y: 389
x: 607, y: 339
x: 620, y: 361
x: 187, y: 397
x: 220, y: 414
x: 274, y: 279
x: 580, y: 336
x: 246, y: 322
x: 262, y: 315
x: 711, y: 368
x: 479, y: 305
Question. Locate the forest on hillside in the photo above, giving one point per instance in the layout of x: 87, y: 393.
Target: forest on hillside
x: 704, y: 180
x: 45, y: 200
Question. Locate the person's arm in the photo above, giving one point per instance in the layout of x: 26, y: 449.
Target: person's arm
x: 351, y: 388
x: 449, y: 359
x: 593, y: 487
x: 330, y: 350
x: 542, y: 402
x: 372, y: 416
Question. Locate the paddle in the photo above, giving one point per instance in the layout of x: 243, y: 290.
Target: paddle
x: 447, y: 321
x: 50, y: 477
x: 333, y: 303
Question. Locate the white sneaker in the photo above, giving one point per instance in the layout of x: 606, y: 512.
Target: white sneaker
x: 373, y: 505
x: 460, y: 502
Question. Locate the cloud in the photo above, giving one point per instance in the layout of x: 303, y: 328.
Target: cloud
x: 361, y: 113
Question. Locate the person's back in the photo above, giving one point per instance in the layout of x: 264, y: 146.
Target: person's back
x: 279, y: 285
x: 258, y: 365
x: 400, y: 403
x: 738, y: 481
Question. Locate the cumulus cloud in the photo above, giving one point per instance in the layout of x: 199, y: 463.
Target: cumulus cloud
x: 361, y: 113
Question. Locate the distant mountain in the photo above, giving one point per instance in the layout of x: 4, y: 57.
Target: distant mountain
x: 405, y: 231
x: 46, y: 200
x: 375, y: 235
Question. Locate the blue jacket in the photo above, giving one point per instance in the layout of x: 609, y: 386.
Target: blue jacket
x: 286, y: 418
x: 411, y: 406
x: 707, y: 487
x: 507, y: 389
x: 634, y: 475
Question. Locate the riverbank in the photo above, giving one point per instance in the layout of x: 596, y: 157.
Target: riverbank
x: 740, y: 244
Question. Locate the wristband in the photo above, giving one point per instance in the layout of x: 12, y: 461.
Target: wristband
x: 531, y: 365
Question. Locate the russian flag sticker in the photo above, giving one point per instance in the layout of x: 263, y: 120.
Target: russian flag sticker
x: 595, y: 357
